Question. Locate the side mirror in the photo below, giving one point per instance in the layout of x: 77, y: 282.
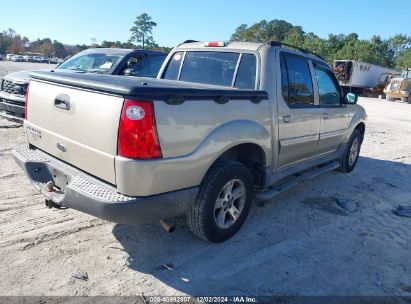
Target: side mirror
x: 351, y: 98
x: 129, y: 72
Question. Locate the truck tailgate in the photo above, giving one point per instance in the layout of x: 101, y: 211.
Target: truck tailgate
x: 77, y: 126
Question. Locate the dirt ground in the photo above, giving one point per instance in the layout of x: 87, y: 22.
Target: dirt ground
x: 300, y: 243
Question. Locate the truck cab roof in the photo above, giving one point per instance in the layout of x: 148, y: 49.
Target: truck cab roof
x: 250, y: 46
x: 244, y: 46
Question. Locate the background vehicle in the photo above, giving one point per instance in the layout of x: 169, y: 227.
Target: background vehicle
x: 53, y: 60
x: 358, y: 77
x: 17, y: 58
x: 102, y: 61
x: 9, y: 56
x: 220, y: 125
x: 116, y: 62
x: 37, y: 59
x: 28, y: 58
x: 45, y: 59
x: 2, y: 57
x: 400, y: 87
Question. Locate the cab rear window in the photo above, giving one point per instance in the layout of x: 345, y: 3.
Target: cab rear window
x: 216, y: 68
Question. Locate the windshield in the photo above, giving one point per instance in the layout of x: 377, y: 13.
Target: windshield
x: 92, y: 63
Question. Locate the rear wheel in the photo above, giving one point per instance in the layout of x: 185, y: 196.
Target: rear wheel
x: 223, y: 202
x: 352, y: 152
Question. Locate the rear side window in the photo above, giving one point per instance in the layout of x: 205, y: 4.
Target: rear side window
x: 297, y: 85
x: 246, y: 72
x: 173, y: 67
x: 284, y: 79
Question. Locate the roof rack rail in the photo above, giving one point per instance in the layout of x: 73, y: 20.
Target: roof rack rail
x: 281, y: 44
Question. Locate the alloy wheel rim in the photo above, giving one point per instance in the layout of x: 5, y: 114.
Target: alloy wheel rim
x: 229, y: 204
x: 354, y: 152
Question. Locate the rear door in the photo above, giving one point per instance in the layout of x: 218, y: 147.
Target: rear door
x: 298, y: 115
x: 334, y: 118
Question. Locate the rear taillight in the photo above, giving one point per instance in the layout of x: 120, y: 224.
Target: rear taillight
x: 137, y: 135
x: 27, y: 103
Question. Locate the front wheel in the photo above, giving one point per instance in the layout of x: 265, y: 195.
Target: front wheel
x: 352, y: 152
x: 389, y: 98
x: 223, y: 202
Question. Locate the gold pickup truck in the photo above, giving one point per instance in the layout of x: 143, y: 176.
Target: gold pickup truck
x: 222, y: 124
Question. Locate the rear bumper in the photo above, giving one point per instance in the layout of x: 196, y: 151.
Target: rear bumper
x: 90, y: 195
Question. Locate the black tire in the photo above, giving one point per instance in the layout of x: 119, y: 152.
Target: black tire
x: 346, y: 165
x: 201, y: 217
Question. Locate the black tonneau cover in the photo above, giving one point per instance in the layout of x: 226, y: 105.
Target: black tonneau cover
x: 141, y: 87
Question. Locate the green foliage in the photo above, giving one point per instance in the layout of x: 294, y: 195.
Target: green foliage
x: 11, y: 42
x: 404, y: 59
x: 392, y: 52
x: 142, y: 30
x: 117, y: 44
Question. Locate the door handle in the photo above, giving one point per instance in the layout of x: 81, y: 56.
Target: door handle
x: 62, y: 101
x: 325, y: 116
x: 287, y: 118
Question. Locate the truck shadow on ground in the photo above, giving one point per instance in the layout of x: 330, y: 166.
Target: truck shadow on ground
x: 287, y: 246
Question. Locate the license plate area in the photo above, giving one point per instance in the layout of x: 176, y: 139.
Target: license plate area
x: 61, y: 180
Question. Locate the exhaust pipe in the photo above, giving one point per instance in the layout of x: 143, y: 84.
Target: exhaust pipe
x: 167, y: 226
x: 50, y: 186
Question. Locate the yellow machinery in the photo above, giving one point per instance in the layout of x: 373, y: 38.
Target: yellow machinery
x: 400, y: 87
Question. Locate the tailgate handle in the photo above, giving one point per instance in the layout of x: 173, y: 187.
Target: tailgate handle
x: 62, y: 101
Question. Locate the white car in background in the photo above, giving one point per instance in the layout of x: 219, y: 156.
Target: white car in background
x: 28, y: 58
x: 17, y: 58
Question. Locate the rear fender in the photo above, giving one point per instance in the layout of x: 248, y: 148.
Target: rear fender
x: 235, y: 133
x: 169, y: 174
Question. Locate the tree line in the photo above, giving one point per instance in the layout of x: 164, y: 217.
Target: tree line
x: 392, y: 52
x: 141, y: 37
x: 13, y: 43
